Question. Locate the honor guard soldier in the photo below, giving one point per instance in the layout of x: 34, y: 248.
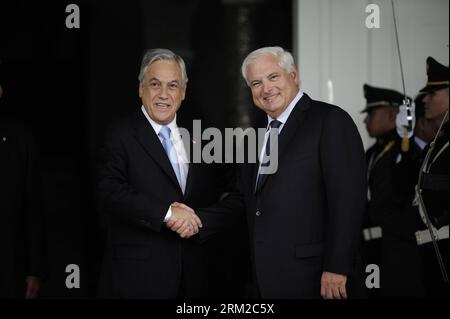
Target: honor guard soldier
x: 383, y: 204
x: 432, y: 186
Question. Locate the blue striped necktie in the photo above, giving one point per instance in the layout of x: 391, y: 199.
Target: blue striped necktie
x: 171, y: 153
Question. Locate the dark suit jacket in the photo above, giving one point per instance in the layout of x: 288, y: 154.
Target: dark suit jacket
x: 21, y: 222
x: 306, y: 218
x: 144, y: 259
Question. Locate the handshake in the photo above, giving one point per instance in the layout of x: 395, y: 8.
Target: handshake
x: 183, y: 220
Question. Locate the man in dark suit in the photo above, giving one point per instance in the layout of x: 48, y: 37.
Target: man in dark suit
x: 144, y: 170
x: 21, y: 222
x: 304, y: 218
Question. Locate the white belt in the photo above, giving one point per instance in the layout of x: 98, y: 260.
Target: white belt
x: 372, y: 233
x: 424, y: 236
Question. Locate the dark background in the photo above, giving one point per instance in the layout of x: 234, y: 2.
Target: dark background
x: 69, y: 84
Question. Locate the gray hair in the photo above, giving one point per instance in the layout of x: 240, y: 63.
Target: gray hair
x: 154, y: 55
x: 285, y: 59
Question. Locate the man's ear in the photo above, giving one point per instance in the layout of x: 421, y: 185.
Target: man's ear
x: 141, y: 90
x: 294, y: 76
x: 183, y: 93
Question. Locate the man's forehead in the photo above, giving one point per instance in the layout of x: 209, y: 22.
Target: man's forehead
x: 264, y: 61
x: 164, y: 71
x: 264, y: 66
x: 152, y: 77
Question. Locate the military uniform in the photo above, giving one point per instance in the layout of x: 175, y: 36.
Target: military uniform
x: 434, y: 186
x: 434, y: 190
x: 435, y: 196
x: 380, y: 159
x: 394, y: 247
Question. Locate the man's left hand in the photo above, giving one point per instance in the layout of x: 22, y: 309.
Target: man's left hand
x: 33, y: 285
x: 332, y: 286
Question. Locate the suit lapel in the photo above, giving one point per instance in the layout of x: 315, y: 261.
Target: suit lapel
x: 253, y: 167
x: 188, y: 145
x: 148, y: 139
x: 254, y: 175
x: 287, y: 134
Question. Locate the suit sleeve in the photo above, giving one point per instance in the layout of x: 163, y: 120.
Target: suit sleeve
x: 228, y: 211
x: 344, y: 174
x: 116, y: 195
x: 33, y: 212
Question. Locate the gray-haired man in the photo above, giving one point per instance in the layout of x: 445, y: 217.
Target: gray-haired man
x: 144, y: 170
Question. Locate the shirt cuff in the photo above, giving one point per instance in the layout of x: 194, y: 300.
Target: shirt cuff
x: 168, y: 215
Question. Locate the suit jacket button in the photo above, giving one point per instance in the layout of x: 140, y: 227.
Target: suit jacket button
x: 258, y: 213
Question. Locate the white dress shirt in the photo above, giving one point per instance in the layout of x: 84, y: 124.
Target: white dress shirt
x: 180, y: 150
x: 282, y: 118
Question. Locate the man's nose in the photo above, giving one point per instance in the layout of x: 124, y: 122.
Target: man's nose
x: 266, y: 87
x: 163, y: 92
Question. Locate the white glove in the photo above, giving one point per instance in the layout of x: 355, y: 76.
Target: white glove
x: 401, y: 120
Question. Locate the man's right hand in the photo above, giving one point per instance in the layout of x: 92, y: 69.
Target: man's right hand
x: 33, y: 285
x: 184, y: 221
